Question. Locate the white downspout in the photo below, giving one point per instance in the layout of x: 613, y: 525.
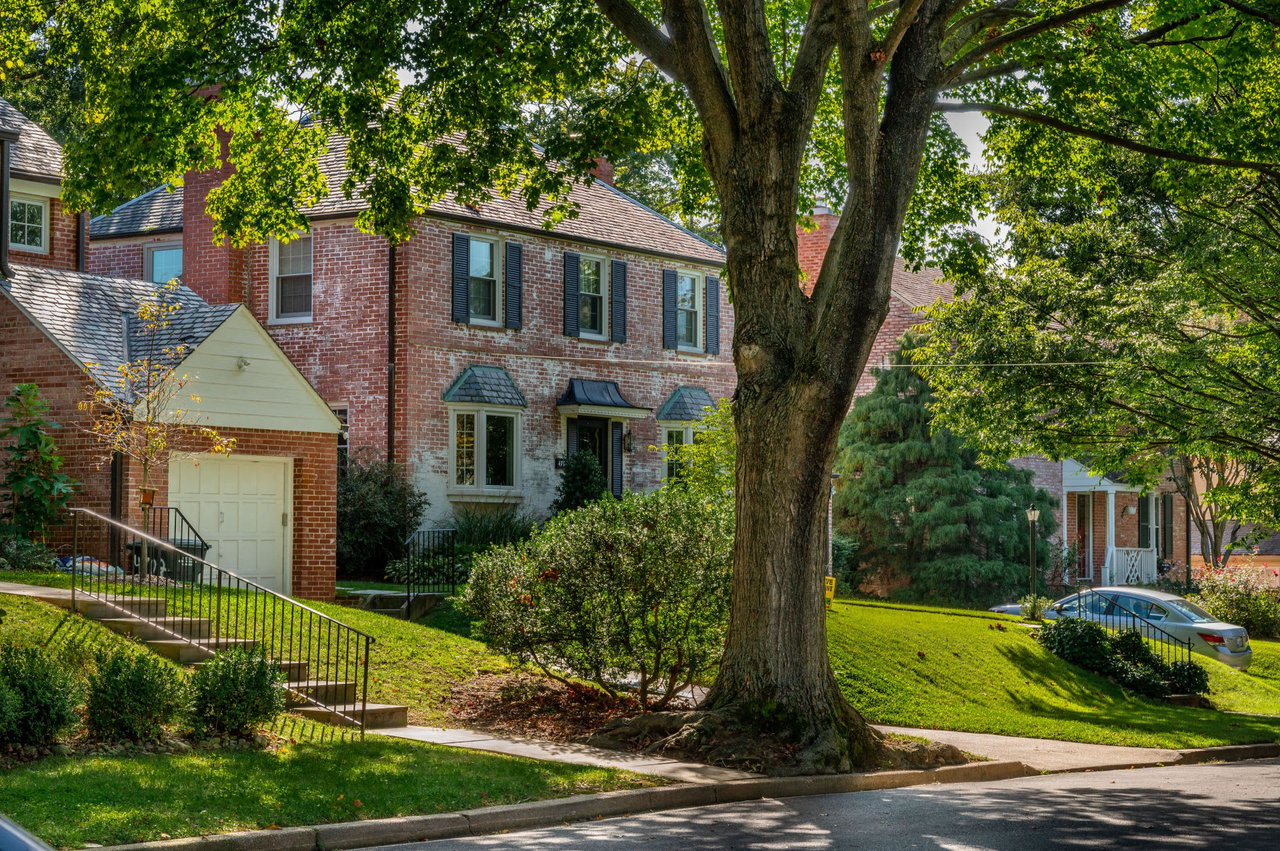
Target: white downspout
x: 1109, y: 567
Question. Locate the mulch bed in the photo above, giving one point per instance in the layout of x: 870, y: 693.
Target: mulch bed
x: 529, y: 705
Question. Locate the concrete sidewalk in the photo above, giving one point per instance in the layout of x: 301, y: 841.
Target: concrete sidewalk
x: 1048, y: 755
x: 670, y: 769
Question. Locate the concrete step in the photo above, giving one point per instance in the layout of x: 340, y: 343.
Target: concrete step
x: 185, y: 652
x: 293, y: 671
x: 114, y: 607
x: 323, y: 691
x: 377, y: 715
x: 391, y: 613
x: 159, y: 629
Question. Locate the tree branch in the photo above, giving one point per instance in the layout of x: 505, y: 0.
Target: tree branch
x: 1107, y: 138
x: 1013, y: 36
x: 703, y: 73
x: 1244, y: 9
x: 641, y: 32
x: 905, y: 18
x: 977, y: 76
x: 813, y: 56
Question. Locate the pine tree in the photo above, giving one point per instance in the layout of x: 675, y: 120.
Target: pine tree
x: 919, y: 507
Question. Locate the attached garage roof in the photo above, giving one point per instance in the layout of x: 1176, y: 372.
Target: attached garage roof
x: 685, y: 404
x: 485, y: 385
x: 95, y: 319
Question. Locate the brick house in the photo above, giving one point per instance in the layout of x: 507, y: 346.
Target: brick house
x: 1121, y: 532
x: 268, y: 508
x: 482, y: 351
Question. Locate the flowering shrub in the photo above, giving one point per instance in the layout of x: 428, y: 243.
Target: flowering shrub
x: 1233, y: 595
x: 618, y: 591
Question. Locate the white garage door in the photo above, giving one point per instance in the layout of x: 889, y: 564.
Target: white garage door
x: 238, y: 506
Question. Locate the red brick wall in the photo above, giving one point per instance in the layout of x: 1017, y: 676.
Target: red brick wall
x: 213, y: 269
x: 120, y: 258
x: 62, y: 241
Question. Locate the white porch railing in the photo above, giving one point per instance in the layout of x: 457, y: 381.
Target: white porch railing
x: 1130, y: 566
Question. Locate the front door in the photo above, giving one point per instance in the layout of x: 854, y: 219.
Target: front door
x: 593, y: 436
x: 1083, y: 537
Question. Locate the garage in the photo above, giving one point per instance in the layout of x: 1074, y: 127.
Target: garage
x: 240, y: 506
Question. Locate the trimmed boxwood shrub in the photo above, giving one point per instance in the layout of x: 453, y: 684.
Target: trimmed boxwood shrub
x: 235, y: 690
x: 1124, y: 657
x: 47, y: 695
x: 132, y: 696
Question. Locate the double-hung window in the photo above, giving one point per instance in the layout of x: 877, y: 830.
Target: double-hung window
x: 164, y: 263
x: 29, y: 225
x: 485, y: 448
x: 676, y: 435
x: 593, y: 298
x: 689, y: 311
x: 483, y: 289
x: 291, y: 280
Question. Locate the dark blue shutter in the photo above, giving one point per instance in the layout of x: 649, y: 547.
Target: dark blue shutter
x: 570, y: 294
x: 514, y: 275
x: 615, y: 456
x: 1144, y: 521
x: 1166, y: 525
x: 618, y: 301
x: 461, y: 277
x: 669, y: 309
x: 713, y: 315
x: 571, y: 439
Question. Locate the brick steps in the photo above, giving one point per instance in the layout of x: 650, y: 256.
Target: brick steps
x: 378, y: 716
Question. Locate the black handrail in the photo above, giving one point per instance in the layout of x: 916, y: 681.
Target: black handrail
x: 191, y: 600
x: 433, y: 564
x: 1164, y: 641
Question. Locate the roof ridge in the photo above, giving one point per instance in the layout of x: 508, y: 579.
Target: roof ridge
x: 649, y: 209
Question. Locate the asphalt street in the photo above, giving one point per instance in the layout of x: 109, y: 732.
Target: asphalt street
x: 1231, y: 806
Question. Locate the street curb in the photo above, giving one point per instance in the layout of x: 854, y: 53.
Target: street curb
x: 1230, y: 753
x: 557, y: 811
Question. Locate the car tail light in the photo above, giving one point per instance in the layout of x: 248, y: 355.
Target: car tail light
x: 1210, y: 638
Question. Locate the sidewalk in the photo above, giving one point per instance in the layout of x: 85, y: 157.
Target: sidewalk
x: 670, y: 769
x: 1044, y: 755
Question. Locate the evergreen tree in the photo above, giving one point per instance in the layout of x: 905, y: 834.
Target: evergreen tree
x: 582, y: 481
x: 921, y: 509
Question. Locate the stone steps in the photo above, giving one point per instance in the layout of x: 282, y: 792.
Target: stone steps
x: 378, y: 716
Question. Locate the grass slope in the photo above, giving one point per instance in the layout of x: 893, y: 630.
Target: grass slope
x: 914, y: 668
x: 414, y: 664
x: 114, y: 800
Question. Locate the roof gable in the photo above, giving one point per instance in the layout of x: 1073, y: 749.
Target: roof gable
x: 685, y: 404
x: 36, y: 154
x: 485, y: 385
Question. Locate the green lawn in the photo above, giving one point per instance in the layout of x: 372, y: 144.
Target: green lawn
x: 414, y: 664
x: 975, y: 678
x: 113, y: 800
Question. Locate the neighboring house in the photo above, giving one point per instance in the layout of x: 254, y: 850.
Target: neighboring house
x: 268, y: 509
x: 1121, y: 533
x: 485, y: 349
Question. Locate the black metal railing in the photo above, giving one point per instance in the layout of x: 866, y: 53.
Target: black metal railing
x: 433, y: 564
x: 191, y: 609
x: 1119, y: 618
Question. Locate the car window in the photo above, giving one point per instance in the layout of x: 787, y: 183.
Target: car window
x: 1095, y: 604
x: 1156, y: 612
x: 1190, y: 611
x: 1126, y: 604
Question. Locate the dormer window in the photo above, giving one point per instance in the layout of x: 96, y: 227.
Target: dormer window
x: 29, y: 225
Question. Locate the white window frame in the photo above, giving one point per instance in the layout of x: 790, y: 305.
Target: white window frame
x: 499, y: 283
x: 605, y: 284
x: 699, y: 298
x: 274, y: 318
x: 481, y: 489
x: 665, y: 427
x: 43, y: 204
x: 148, y: 264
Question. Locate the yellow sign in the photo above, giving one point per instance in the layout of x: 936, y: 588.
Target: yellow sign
x: 829, y: 589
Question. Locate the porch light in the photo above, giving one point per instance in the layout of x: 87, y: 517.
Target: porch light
x: 1033, y: 514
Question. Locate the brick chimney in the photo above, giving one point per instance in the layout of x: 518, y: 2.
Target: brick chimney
x: 603, y: 170
x: 813, y: 244
x: 215, y: 270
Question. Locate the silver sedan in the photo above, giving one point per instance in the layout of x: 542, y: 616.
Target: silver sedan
x: 1123, y: 607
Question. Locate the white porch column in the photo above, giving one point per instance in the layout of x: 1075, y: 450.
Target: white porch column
x: 1110, y: 558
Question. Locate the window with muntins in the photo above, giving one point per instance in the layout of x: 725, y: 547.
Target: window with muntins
x: 484, y: 448
x: 483, y: 285
x: 592, y: 297
x: 164, y: 263
x: 688, y: 310
x: 27, y: 225
x: 292, y: 279
x: 676, y: 437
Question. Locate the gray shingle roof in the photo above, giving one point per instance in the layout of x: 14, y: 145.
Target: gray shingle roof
x: 606, y: 215
x: 485, y: 385
x: 95, y: 318
x: 583, y: 391
x: 36, y: 154
x: 685, y: 404
x: 156, y: 211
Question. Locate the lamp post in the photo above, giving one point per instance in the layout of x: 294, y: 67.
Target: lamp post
x: 1033, y: 516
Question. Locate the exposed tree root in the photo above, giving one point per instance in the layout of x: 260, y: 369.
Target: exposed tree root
x: 719, y: 737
